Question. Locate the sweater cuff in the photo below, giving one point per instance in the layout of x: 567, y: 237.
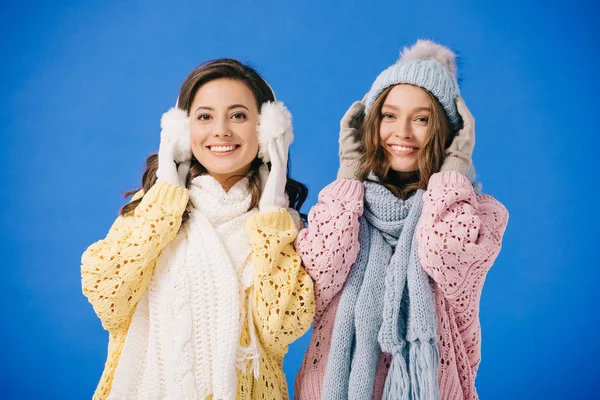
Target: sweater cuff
x: 168, y: 195
x: 346, y: 190
x: 452, y: 179
x: 278, y: 219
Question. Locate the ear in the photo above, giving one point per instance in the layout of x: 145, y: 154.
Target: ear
x: 175, y: 132
x: 274, y: 121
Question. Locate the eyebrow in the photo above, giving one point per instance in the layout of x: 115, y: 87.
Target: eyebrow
x: 415, y: 110
x: 231, y: 107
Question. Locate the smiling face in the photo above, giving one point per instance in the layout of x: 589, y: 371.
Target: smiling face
x: 405, y: 119
x: 223, y: 129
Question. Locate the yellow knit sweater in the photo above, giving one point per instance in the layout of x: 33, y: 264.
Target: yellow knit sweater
x: 117, y: 270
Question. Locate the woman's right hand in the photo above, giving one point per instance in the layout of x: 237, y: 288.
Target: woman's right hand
x: 350, y: 142
x: 174, y: 147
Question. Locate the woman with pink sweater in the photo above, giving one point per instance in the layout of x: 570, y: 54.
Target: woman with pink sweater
x: 400, y: 244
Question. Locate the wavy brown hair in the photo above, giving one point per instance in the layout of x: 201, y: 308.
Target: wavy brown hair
x: 206, y: 72
x: 375, y: 159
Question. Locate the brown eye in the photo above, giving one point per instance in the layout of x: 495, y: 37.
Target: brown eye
x: 239, y: 116
x: 204, y: 117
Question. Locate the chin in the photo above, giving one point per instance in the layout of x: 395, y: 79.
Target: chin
x: 227, y: 167
x: 404, y: 168
x: 222, y: 170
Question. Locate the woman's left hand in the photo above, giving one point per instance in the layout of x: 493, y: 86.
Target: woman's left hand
x: 275, y: 133
x: 459, y: 154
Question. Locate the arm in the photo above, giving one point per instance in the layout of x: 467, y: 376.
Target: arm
x: 329, y: 246
x: 283, y: 301
x: 117, y: 270
x: 460, y: 235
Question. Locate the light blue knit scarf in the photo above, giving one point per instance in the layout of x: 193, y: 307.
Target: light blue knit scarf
x: 387, y: 305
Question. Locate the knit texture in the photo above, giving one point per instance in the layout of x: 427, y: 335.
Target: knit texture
x: 427, y: 65
x: 274, y: 258
x: 387, y: 301
x: 117, y: 270
x: 328, y: 246
x: 460, y: 236
x: 283, y: 298
x: 188, y: 324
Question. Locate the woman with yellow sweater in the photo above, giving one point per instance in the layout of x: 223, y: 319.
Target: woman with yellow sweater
x: 197, y: 281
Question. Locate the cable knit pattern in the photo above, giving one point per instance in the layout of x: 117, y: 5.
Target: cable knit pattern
x: 329, y: 247
x: 117, y: 270
x: 275, y: 260
x: 191, y: 329
x: 460, y: 235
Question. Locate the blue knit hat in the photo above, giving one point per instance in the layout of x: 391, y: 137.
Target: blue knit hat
x: 428, y: 65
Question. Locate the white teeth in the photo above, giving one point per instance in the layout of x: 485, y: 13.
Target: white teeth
x: 222, y: 149
x: 402, y: 148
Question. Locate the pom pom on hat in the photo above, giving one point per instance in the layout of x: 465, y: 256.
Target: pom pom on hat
x: 427, y: 65
x: 428, y: 50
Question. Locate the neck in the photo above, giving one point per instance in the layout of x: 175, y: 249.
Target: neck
x: 227, y: 181
x: 401, y: 178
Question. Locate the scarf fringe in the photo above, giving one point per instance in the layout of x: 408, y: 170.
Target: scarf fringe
x: 252, y: 353
x: 397, y: 384
x: 424, y: 361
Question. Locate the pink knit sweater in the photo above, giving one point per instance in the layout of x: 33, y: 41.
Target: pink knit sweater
x: 459, y: 238
x: 460, y: 235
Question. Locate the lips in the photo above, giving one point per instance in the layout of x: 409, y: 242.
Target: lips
x: 223, y: 149
x: 402, y: 150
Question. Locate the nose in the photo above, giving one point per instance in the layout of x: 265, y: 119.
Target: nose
x: 222, y: 129
x: 403, y: 131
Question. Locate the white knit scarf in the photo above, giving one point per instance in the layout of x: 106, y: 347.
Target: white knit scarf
x: 184, y: 338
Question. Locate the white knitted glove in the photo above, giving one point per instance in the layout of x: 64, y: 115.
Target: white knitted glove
x: 349, y: 141
x: 175, y: 147
x: 459, y: 154
x: 275, y: 134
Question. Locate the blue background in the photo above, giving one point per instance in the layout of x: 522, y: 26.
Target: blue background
x: 83, y: 86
